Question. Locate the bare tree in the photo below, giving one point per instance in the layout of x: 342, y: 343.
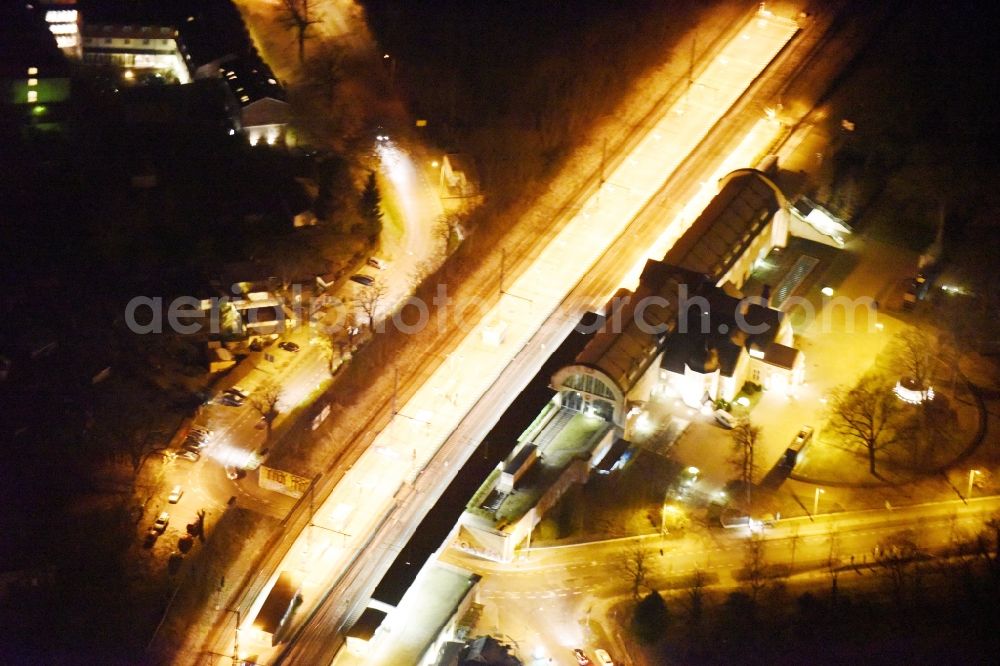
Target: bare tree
x: 298, y: 16
x: 421, y: 270
x: 332, y: 348
x: 369, y: 300
x: 696, y: 595
x: 325, y: 71
x: 754, y: 566
x: 793, y: 542
x: 745, y: 438
x: 865, y: 413
x: 370, y: 206
x: 833, y: 563
x: 265, y: 402
x: 200, y: 524
x: 912, y: 354
x: 987, y: 545
x: 447, y: 228
x: 634, y: 566
x: 124, y: 425
x: 896, y: 557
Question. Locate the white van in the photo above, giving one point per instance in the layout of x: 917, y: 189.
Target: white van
x: 725, y: 419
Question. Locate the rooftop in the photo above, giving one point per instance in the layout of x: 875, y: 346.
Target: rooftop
x: 251, y: 80
x: 210, y: 29
x: 716, y: 336
x: 425, y: 609
x: 129, y: 31
x: 573, y: 439
x: 624, y: 349
x: 366, y: 625
x: 627, y: 344
x: 728, y: 225
x: 780, y: 355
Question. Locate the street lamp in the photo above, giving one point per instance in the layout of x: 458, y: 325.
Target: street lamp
x: 973, y: 473
x: 819, y: 491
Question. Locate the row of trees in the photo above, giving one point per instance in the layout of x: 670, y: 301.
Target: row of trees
x: 906, y: 572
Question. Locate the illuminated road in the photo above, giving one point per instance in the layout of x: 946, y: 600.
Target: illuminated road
x: 541, y: 600
x: 420, y: 206
x: 301, y: 374
x: 385, y: 478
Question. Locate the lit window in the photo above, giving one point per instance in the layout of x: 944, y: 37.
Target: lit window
x: 32, y: 71
x: 245, y: 98
x: 32, y: 96
x: 32, y: 83
x: 61, y: 16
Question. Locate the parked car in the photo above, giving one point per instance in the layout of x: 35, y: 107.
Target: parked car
x: 161, y: 522
x: 238, y: 392
x: 581, y: 657
x: 175, y: 495
x: 231, y: 400
x: 289, y: 346
x: 188, y: 454
x: 725, y: 419
x: 603, y: 658
x: 366, y: 280
x: 732, y: 518
x: 375, y: 262
x: 199, y: 433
